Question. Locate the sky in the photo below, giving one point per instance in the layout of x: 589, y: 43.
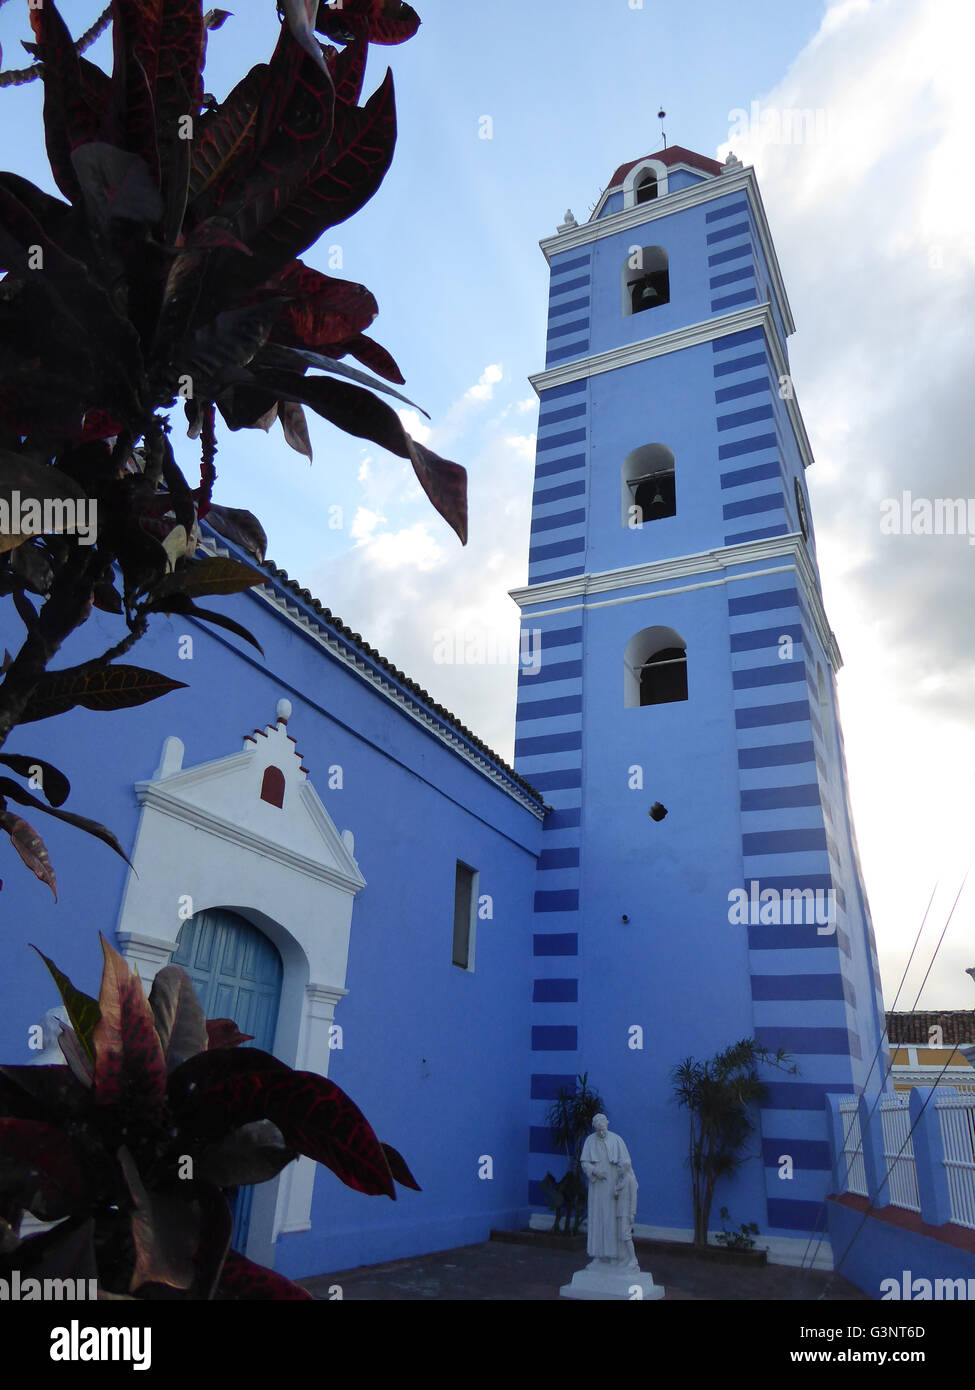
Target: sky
x: 509, y: 114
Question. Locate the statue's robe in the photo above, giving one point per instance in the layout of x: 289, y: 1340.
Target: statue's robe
x: 610, y: 1218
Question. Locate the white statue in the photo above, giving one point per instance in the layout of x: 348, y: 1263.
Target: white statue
x: 612, y: 1199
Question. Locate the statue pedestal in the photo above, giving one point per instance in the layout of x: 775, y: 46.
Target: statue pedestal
x: 631, y: 1286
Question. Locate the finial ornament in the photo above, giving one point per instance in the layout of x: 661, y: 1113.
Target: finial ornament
x: 732, y: 163
x: 283, y: 711
x: 569, y: 221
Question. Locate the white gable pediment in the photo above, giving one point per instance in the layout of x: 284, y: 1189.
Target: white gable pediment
x: 224, y: 797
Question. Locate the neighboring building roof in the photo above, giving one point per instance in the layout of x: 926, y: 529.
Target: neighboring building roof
x: 280, y: 580
x: 673, y: 154
x: 957, y: 1026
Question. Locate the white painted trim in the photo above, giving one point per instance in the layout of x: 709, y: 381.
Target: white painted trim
x: 431, y: 722
x: 742, y: 181
x: 629, y: 183
x: 755, y: 316
x: 791, y: 548
x: 206, y: 839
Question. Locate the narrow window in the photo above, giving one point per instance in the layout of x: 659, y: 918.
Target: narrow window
x: 272, y: 787
x: 654, y: 668
x: 649, y: 490
x: 646, y: 279
x: 465, y: 904
x: 801, y: 509
x: 646, y: 187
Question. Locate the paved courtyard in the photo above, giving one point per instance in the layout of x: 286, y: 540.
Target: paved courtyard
x: 503, y: 1271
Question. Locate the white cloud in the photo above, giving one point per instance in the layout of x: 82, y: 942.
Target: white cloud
x: 415, y: 425
x: 872, y: 226
x: 521, y: 445
x: 364, y: 523
x: 484, y: 390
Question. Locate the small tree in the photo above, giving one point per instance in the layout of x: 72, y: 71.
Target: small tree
x: 719, y: 1093
x: 570, y: 1118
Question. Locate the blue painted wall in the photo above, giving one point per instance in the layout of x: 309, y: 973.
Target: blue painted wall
x: 436, y: 1057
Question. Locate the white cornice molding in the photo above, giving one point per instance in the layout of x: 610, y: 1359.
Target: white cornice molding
x: 755, y: 316
x: 742, y: 181
x: 159, y: 798
x: 416, y: 712
x: 791, y: 549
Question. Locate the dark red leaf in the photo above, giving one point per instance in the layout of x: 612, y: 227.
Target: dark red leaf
x: 115, y: 687
x: 314, y: 1116
x: 30, y: 847
x: 399, y: 1169
x: 91, y: 827
x: 295, y: 427
x: 116, y: 184
x: 218, y: 574
x: 226, y: 138
x: 40, y: 1167
x: 322, y: 311
x: 340, y: 184
x: 375, y: 21
x: 129, y: 1064
x: 69, y: 119
x: 241, y: 527
x: 223, y: 1032
x: 374, y: 356
x: 180, y: 72
x: 179, y: 603
x: 54, y: 785
x: 165, y: 1232
x: 178, y: 1014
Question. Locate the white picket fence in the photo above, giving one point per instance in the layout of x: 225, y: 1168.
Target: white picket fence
x: 955, y: 1128
x: 852, y: 1154
x: 895, y: 1122
x: 957, y: 1120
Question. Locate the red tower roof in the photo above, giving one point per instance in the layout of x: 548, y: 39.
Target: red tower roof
x: 673, y: 154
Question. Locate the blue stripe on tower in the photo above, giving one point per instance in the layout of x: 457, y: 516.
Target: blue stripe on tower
x: 548, y: 752
x: 558, y: 532
x: 731, y: 277
x: 802, y: 1002
x: 732, y: 253
x: 726, y: 233
x: 728, y: 301
x: 571, y: 306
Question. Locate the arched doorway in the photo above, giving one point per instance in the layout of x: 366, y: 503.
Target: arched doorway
x: 237, y: 973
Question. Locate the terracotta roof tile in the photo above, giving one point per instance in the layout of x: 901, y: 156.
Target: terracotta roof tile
x: 957, y: 1026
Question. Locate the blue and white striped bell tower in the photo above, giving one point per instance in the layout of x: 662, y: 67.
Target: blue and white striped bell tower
x: 687, y: 666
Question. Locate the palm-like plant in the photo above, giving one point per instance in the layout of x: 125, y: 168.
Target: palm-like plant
x: 719, y: 1094
x: 570, y: 1119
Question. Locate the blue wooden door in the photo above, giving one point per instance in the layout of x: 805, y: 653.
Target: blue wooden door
x: 237, y: 974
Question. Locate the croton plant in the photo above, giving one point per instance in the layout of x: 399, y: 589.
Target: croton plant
x: 131, y: 1145
x: 168, y: 276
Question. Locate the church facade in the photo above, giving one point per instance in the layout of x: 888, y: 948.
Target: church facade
x: 669, y: 867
